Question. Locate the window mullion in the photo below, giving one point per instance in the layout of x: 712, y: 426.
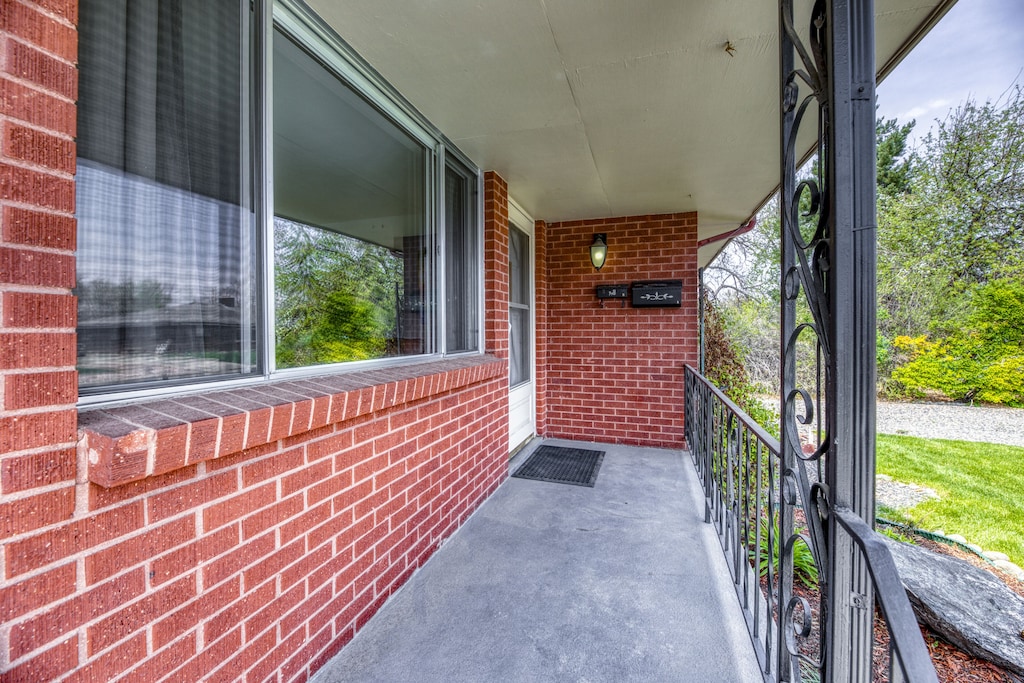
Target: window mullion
x: 265, y: 175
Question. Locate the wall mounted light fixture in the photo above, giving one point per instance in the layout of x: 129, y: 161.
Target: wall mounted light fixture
x: 599, y: 250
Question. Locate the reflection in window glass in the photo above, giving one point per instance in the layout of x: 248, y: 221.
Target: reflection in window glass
x: 165, y: 229
x: 462, y: 270
x: 351, y: 279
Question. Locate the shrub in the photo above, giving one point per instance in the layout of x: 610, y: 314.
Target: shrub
x: 1003, y: 382
x: 963, y: 367
x: 804, y: 569
x: 981, y: 358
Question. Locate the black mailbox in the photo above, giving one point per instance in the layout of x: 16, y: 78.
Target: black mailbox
x: 661, y: 293
x: 612, y: 291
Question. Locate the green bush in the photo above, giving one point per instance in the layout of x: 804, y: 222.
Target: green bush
x: 983, y: 360
x: 1003, y: 382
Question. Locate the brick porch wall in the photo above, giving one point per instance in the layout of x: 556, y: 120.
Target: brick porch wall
x: 616, y: 374
x: 244, y: 533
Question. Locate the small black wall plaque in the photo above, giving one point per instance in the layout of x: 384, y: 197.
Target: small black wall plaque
x: 661, y: 293
x: 613, y: 291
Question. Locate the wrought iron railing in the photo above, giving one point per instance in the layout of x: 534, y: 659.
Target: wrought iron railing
x: 744, y: 488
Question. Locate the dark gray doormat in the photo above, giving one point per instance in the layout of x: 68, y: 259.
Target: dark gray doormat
x: 562, y: 465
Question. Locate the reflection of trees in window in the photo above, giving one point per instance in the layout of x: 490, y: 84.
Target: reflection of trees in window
x: 337, y: 298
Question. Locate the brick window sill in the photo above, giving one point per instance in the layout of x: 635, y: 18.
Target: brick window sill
x: 129, y: 443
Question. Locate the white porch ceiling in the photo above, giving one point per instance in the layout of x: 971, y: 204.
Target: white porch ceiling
x: 597, y: 108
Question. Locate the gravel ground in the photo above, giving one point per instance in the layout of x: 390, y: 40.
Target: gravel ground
x: 953, y: 421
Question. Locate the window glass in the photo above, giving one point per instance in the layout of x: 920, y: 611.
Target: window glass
x: 519, y: 301
x: 462, y: 262
x: 351, y: 272
x: 165, y: 228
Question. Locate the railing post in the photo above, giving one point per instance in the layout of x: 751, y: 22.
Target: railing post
x: 828, y: 256
x: 787, y: 324
x: 851, y: 410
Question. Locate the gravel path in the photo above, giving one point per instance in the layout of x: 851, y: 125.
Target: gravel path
x: 953, y: 421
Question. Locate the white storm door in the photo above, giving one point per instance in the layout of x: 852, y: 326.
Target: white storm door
x: 521, y: 410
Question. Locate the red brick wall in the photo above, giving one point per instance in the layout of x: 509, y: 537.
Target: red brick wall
x: 237, y: 534
x: 616, y: 374
x: 496, y: 264
x: 258, y: 562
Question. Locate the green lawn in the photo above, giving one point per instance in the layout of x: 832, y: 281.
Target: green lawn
x: 981, y: 488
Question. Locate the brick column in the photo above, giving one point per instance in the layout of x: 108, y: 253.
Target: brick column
x: 496, y: 264
x: 38, y: 86
x: 38, y: 383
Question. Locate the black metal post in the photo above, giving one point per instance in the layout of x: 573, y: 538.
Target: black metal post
x: 787, y: 324
x: 701, y: 295
x: 851, y: 287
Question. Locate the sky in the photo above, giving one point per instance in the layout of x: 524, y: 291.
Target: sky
x: 976, y: 50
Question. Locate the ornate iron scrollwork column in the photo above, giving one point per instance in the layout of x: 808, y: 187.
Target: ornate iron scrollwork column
x: 828, y: 257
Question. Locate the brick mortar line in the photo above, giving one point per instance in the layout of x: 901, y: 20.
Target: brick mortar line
x: 16, y: 496
x: 39, y: 449
x: 15, y: 37
x: 16, y: 162
x: 36, y: 410
x: 34, y: 289
x: 39, y: 128
x: 47, y: 13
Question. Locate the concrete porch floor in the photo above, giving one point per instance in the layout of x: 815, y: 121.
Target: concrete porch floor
x: 552, y: 582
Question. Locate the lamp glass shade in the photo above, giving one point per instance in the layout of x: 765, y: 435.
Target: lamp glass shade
x: 598, y: 251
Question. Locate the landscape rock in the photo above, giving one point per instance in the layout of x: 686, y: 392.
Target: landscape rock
x: 996, y: 556
x: 965, y: 605
x: 1011, y: 569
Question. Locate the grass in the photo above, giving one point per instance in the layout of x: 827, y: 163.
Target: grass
x: 981, y: 488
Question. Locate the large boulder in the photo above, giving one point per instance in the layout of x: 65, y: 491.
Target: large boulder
x: 965, y: 605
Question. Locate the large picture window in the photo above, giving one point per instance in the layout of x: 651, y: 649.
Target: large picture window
x: 181, y: 279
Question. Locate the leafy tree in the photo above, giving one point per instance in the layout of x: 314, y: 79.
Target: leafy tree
x: 895, y: 165
x: 961, y: 224
x: 983, y: 360
x: 950, y: 247
x: 724, y: 366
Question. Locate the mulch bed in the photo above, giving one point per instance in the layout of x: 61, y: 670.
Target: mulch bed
x: 951, y: 664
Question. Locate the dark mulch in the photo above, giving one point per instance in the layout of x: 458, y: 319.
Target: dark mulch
x: 951, y: 664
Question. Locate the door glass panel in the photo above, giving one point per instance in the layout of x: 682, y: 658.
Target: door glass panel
x: 520, y: 297
x: 519, y: 346
x: 519, y: 267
